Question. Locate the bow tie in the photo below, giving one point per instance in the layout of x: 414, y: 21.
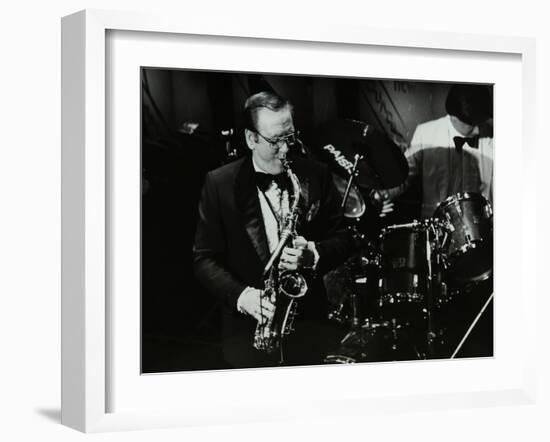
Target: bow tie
x: 264, y: 180
x: 460, y: 141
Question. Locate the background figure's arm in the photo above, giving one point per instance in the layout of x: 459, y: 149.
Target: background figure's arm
x: 414, y: 158
x: 209, y: 250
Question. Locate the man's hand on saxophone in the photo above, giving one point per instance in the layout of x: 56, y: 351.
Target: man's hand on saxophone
x: 302, y: 255
x: 253, y: 303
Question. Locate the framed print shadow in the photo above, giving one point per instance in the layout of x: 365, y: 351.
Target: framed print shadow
x: 239, y: 212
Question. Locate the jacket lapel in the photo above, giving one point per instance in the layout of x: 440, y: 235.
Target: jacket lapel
x: 246, y: 196
x: 304, y: 202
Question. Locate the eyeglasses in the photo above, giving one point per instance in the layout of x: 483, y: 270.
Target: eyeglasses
x: 277, y: 143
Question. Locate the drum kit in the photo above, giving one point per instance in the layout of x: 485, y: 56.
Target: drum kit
x: 395, y: 294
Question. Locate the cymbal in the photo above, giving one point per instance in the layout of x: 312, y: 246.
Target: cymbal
x: 383, y: 164
x: 355, y: 204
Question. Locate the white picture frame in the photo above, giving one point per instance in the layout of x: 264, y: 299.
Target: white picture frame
x: 86, y: 315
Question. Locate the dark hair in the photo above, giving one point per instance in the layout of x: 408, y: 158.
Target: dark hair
x: 268, y: 100
x: 470, y: 103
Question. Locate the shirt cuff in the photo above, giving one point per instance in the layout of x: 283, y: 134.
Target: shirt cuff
x: 311, y: 246
x: 240, y: 300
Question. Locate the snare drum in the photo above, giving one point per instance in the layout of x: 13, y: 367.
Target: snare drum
x: 468, y: 247
x: 404, y: 271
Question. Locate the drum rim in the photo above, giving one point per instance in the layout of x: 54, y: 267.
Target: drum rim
x: 458, y: 197
x: 414, y: 226
x: 476, y: 243
x: 334, y: 358
x: 402, y: 297
x: 462, y: 252
x: 460, y: 281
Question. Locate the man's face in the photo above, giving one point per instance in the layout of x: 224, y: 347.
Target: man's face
x: 270, y: 126
x: 464, y: 129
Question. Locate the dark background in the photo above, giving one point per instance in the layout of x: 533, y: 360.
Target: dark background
x: 180, y: 321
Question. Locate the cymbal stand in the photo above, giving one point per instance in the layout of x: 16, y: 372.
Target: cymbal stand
x: 352, y: 175
x: 472, y: 325
x: 354, y: 301
x: 435, y: 261
x: 355, y: 335
x: 430, y: 287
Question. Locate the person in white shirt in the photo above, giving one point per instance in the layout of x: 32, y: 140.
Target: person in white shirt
x: 453, y: 154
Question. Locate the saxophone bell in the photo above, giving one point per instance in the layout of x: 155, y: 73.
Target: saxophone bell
x: 293, y: 284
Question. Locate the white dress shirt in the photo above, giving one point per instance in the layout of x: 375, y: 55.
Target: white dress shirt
x: 444, y: 171
x: 275, y: 206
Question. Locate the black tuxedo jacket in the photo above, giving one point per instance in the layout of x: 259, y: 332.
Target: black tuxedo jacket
x: 231, y: 248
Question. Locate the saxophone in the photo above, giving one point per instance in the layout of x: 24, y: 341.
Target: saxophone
x: 282, y: 288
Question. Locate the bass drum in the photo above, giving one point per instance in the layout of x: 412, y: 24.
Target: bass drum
x: 468, y: 247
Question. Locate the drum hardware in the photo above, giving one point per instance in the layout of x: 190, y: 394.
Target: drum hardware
x: 372, y: 342
x: 354, y: 301
x: 356, y: 346
x: 354, y: 206
x: 337, y: 314
x: 410, y: 288
x: 472, y: 325
x: 402, y: 281
x: 353, y: 173
x: 417, y: 270
x: 230, y: 152
x: 342, y: 287
x: 340, y: 359
x: 468, y: 246
x: 385, y: 337
x: 430, y: 287
x: 416, y: 283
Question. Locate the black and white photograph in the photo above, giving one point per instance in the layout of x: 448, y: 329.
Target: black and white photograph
x: 291, y: 220
x: 244, y: 221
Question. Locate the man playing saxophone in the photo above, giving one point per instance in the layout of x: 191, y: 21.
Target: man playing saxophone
x: 243, y: 224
